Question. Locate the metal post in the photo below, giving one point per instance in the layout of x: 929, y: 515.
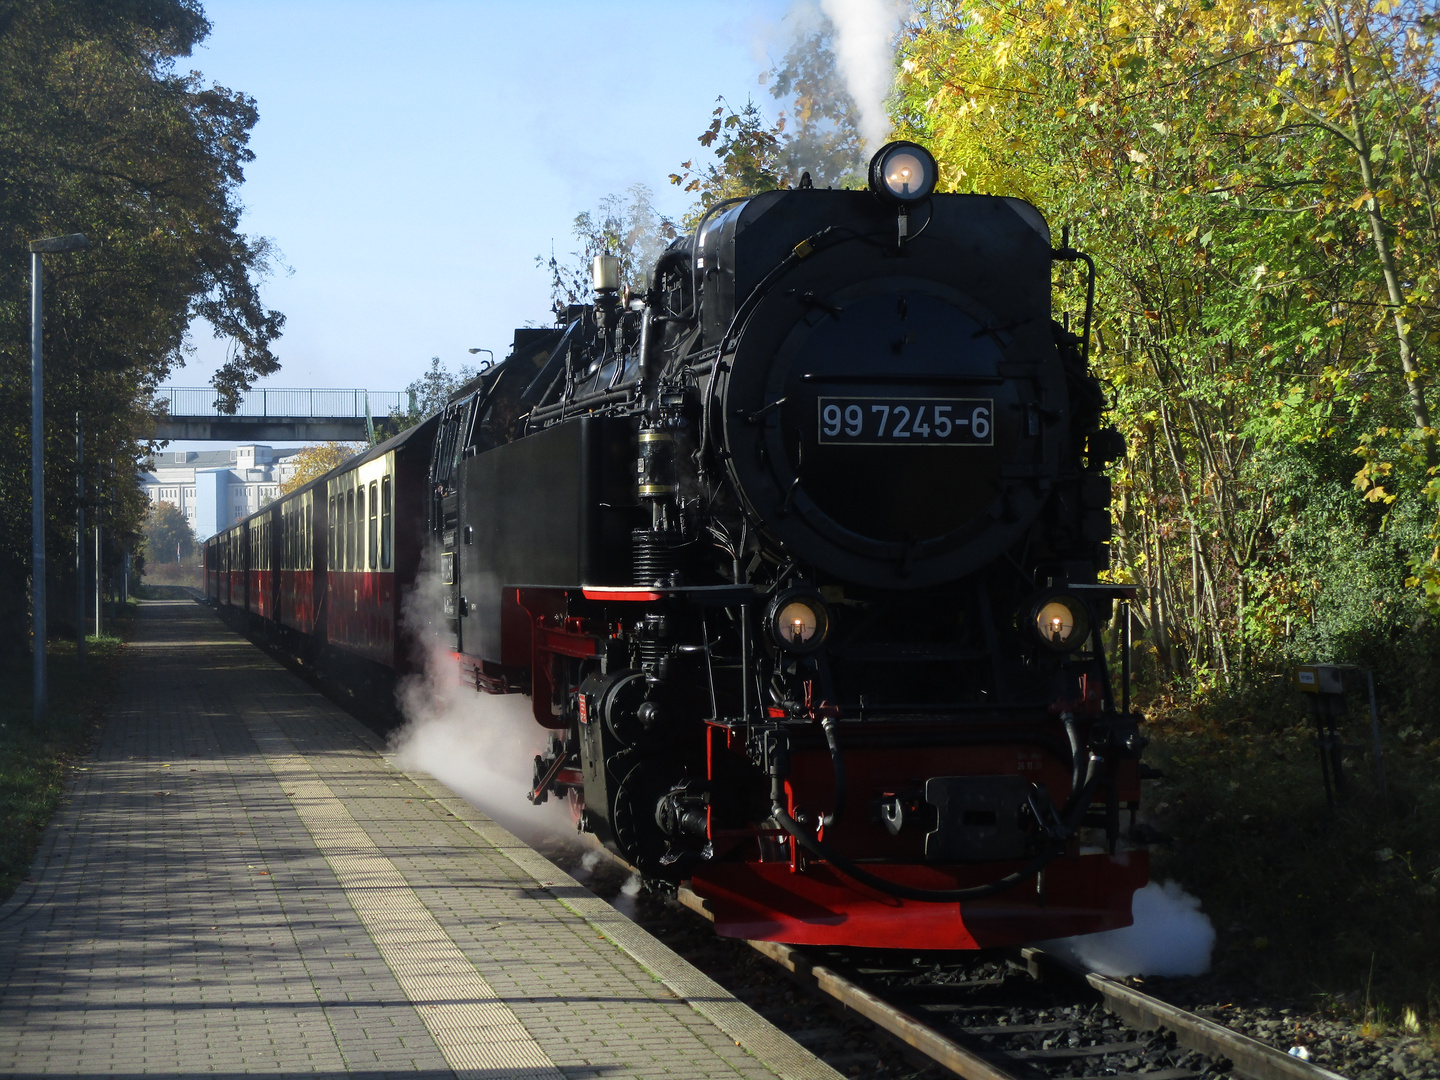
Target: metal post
x: 37, y: 480
x: 99, y: 517
x: 80, y: 540
x: 1375, y: 736
x: 72, y: 242
x: 1125, y: 661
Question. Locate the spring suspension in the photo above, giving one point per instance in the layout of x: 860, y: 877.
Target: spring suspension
x: 652, y: 649
x: 655, y: 557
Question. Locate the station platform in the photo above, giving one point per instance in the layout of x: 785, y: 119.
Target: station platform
x: 239, y: 883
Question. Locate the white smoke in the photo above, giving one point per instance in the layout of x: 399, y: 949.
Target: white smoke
x: 1170, y: 936
x: 865, y: 53
x: 481, y: 746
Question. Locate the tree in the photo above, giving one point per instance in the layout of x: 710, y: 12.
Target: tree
x: 1249, y: 330
x: 822, y: 136
x: 428, y: 394
x: 313, y: 462
x: 99, y: 133
x: 817, y: 131
x: 749, y: 158
x: 627, y: 226
x: 167, y: 530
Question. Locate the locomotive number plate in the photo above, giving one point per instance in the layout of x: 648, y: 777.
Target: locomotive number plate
x: 892, y: 421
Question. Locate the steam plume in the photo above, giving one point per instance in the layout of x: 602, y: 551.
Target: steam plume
x: 481, y: 746
x: 865, y: 52
x: 1170, y: 936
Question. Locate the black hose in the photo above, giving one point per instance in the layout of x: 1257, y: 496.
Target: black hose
x: 837, y: 763
x: 939, y: 896
x: 1073, y: 731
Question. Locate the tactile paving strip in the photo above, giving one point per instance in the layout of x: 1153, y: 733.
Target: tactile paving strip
x: 475, y: 1031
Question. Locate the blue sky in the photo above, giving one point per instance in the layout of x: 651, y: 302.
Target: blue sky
x: 413, y: 159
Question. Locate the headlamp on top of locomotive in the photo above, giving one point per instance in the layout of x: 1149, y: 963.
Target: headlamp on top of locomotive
x: 903, y: 173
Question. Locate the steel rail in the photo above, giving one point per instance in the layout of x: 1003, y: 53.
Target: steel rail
x: 1251, y: 1057
x: 879, y: 1012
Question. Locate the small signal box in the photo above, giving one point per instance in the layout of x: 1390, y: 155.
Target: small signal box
x: 1321, y: 678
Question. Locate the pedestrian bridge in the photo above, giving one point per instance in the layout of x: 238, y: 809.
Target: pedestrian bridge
x: 304, y: 415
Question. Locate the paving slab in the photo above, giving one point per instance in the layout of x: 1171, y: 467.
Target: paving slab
x: 240, y: 883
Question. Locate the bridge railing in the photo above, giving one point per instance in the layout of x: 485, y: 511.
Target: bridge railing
x: 200, y: 401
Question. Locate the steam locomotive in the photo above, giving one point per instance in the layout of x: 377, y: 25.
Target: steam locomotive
x: 796, y: 556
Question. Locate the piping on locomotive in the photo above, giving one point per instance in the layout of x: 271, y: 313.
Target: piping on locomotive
x: 797, y: 556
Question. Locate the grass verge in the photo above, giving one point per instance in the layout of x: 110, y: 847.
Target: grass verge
x: 174, y: 574
x: 1339, y: 903
x: 34, y: 761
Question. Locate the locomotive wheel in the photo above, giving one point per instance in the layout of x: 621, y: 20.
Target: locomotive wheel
x: 637, y: 833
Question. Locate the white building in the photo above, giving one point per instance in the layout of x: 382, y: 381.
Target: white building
x: 216, y: 488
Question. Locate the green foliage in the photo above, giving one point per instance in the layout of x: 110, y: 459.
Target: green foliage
x: 748, y: 152
x: 1279, y: 871
x: 168, y: 536
x: 313, y: 462
x: 817, y: 132
x: 822, y: 135
x: 425, y: 396
x: 1254, y: 185
x: 99, y: 133
x: 34, y: 762
x: 627, y: 226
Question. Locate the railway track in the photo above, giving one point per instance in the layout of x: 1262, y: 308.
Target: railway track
x: 981, y: 1018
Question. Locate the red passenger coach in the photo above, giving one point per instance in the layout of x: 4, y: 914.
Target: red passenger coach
x: 239, y: 564
x: 373, y: 507
x: 299, y: 586
x: 329, y: 563
x: 227, y: 552
x: 212, y: 570
x: 259, y: 582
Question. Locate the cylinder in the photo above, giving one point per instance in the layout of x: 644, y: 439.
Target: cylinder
x: 657, y: 465
x: 605, y: 272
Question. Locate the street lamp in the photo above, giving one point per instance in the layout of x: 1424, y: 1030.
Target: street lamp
x: 491, y: 352
x: 50, y: 245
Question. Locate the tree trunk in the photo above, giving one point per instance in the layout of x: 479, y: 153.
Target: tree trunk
x: 1414, y: 381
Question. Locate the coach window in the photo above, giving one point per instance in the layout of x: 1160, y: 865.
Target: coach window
x: 306, y: 541
x: 373, y: 548
x: 360, y: 527
x: 385, y: 521
x: 350, y: 529
x: 330, y: 551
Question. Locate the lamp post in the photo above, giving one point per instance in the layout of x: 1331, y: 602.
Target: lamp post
x: 99, y: 517
x: 79, y: 541
x: 490, y: 351
x: 50, y: 245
